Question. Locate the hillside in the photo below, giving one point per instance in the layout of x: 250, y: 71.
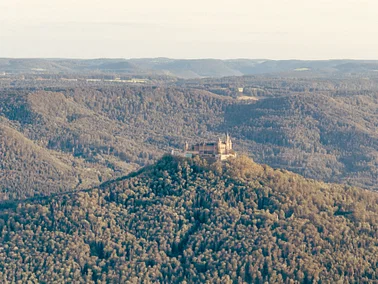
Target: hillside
x: 183, y: 220
x: 25, y: 165
x: 28, y: 170
x: 331, y: 138
x: 96, y: 134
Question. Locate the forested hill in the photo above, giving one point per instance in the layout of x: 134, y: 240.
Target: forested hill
x: 56, y: 141
x: 331, y: 138
x: 184, y: 220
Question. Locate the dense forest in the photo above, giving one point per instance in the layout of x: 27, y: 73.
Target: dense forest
x: 65, y: 135
x: 325, y: 137
x: 93, y: 135
x: 185, y: 221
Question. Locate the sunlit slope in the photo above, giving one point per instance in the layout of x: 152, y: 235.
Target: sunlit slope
x: 183, y: 220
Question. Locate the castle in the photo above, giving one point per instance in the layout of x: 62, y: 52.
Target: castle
x: 220, y: 150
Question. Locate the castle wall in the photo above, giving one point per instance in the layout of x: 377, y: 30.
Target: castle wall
x: 219, y: 150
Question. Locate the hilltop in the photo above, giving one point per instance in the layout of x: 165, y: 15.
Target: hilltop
x: 184, y: 220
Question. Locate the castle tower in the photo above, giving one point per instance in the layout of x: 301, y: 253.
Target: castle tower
x: 219, y: 146
x: 228, y: 143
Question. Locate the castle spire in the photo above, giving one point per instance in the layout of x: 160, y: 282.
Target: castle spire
x: 227, y: 137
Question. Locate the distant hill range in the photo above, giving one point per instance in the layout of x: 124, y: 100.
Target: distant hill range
x: 186, y: 68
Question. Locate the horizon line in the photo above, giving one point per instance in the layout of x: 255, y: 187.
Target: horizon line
x: 188, y: 58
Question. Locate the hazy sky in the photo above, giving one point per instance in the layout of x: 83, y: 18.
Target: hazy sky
x: 275, y: 29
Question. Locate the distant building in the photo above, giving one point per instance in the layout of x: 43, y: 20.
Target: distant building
x: 240, y: 90
x: 220, y: 150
